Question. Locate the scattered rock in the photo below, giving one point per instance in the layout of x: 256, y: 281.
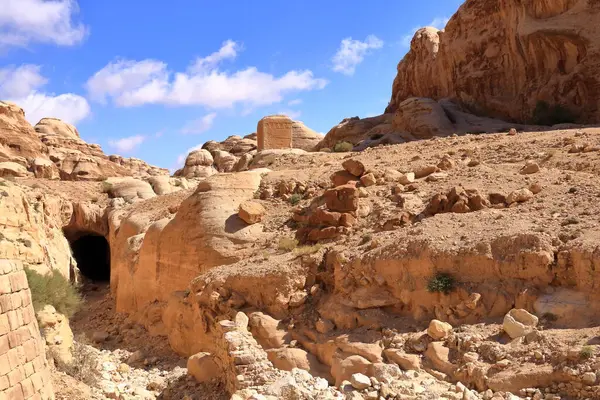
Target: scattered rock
x: 519, y: 196
x: 519, y: 322
x: 368, y: 179
x: 360, y: 381
x: 439, y: 330
x: 530, y: 167
x: 354, y: 167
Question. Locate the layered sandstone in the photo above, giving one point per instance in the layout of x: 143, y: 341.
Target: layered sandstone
x: 500, y: 59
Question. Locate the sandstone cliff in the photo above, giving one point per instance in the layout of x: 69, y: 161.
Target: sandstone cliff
x: 501, y: 58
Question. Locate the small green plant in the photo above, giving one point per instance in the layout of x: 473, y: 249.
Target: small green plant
x: 287, y: 244
x: 441, y: 283
x: 586, y: 352
x: 366, y: 238
x: 343, y: 147
x: 53, y: 289
x: 2, y: 183
x: 305, y: 250
x: 545, y: 114
x: 295, y: 199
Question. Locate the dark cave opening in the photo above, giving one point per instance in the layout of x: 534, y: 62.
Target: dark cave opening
x: 92, y: 254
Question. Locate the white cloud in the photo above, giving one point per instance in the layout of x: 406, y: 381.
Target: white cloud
x: 127, y: 144
x: 39, y: 21
x: 22, y: 85
x: 200, y: 125
x: 68, y: 107
x: 352, y: 52
x: 132, y: 83
x: 293, y: 114
x: 438, y: 22
x: 295, y: 102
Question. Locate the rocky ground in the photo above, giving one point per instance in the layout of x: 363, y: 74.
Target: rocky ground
x: 118, y: 359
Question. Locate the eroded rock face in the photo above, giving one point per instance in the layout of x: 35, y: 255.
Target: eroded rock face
x: 18, y: 140
x: 205, y: 232
x: 500, y: 58
x: 78, y: 160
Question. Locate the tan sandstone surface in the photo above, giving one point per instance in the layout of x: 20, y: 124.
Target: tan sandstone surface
x: 508, y: 217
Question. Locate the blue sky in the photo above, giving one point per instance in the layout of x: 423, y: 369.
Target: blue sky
x: 153, y: 79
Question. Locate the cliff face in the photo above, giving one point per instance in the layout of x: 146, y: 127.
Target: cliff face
x: 501, y: 58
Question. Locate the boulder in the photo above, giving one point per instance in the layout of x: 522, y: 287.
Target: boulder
x: 519, y: 322
x: 439, y: 330
x: 354, y: 167
x: 161, y: 184
x: 423, y: 118
x: 439, y: 357
x: 405, y: 361
x: 251, y: 212
x: 342, y: 198
x: 342, y: 369
x: 519, y: 196
x: 44, y: 168
x: 203, y: 368
x: 13, y: 169
x: 130, y: 189
x: 224, y: 161
x: 360, y: 381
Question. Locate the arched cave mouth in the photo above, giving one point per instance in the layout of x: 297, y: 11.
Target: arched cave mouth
x: 92, y: 253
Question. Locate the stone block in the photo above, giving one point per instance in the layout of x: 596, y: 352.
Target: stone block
x: 27, y: 387
x: 274, y: 132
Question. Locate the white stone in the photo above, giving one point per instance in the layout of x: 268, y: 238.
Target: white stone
x: 360, y: 381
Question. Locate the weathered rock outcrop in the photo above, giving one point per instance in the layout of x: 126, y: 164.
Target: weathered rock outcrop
x: 205, y: 232
x: 18, y: 140
x: 281, y: 132
x: 78, y: 160
x: 499, y: 58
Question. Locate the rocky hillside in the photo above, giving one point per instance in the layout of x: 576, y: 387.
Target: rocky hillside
x: 502, y: 58
x: 53, y: 150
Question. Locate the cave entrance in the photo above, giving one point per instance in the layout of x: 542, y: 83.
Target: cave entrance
x: 92, y: 253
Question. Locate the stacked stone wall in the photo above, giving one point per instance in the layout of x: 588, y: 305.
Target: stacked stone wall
x: 24, y: 371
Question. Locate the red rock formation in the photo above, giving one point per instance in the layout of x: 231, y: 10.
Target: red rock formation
x: 500, y: 58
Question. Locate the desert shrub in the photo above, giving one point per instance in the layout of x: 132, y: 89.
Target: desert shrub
x: 545, y: 114
x: 550, y: 317
x: 441, y: 283
x: 84, y: 366
x: 343, y: 147
x: 586, y: 352
x: 287, y: 244
x: 305, y: 250
x: 366, y: 238
x: 53, y: 289
x: 2, y: 183
x: 295, y: 199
